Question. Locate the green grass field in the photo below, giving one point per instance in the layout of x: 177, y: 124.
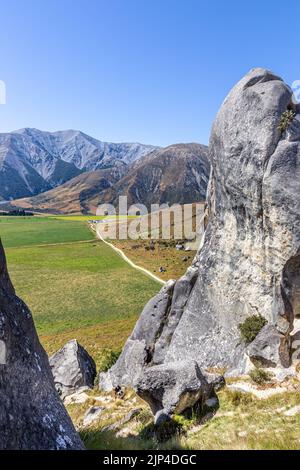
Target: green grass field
x: 74, y: 289
x: 25, y: 231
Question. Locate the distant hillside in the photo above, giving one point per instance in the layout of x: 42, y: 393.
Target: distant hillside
x: 33, y: 161
x: 76, y: 195
x: 176, y: 174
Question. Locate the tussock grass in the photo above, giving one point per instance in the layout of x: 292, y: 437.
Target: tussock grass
x: 242, y: 422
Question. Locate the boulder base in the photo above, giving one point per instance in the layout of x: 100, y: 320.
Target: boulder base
x: 172, y: 388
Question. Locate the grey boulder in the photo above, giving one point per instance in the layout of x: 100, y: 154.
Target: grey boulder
x: 139, y: 348
x: 172, y: 388
x: 32, y: 416
x: 264, y: 351
x: 72, y: 368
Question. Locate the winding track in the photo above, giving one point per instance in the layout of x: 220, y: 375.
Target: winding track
x: 125, y: 258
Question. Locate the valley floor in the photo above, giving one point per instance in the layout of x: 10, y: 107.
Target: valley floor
x: 78, y: 287
x: 75, y: 285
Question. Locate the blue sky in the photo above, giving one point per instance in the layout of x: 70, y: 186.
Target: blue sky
x: 153, y: 71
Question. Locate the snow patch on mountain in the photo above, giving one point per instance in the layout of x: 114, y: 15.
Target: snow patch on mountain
x: 56, y: 157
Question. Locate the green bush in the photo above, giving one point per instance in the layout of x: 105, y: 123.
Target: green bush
x: 285, y: 119
x: 260, y: 376
x: 251, y: 327
x: 108, y: 359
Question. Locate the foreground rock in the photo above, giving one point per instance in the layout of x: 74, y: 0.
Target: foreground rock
x: 172, y: 388
x: 249, y: 263
x: 32, y: 415
x: 72, y: 368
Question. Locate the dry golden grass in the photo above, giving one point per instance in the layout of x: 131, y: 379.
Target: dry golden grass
x: 165, y: 255
x: 242, y: 422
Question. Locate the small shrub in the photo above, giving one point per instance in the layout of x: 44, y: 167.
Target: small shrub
x: 237, y: 398
x: 109, y: 358
x: 260, y: 376
x: 251, y: 327
x: 286, y: 119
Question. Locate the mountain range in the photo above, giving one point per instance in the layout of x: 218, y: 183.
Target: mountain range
x: 176, y: 174
x: 34, y: 161
x: 69, y: 172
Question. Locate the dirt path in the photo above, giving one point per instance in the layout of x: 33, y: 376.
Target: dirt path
x: 128, y: 260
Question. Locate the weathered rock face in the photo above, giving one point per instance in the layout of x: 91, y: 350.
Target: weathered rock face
x: 250, y: 259
x: 72, y: 368
x: 31, y: 413
x: 172, y: 388
x: 266, y: 349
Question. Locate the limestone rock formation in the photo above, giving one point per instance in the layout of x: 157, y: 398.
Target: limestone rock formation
x: 249, y: 262
x: 32, y: 415
x: 172, y: 388
x: 72, y: 368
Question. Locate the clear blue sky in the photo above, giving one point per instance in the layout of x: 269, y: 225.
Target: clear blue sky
x: 153, y: 71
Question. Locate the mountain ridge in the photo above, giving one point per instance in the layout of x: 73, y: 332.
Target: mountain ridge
x: 146, y: 181
x: 34, y: 161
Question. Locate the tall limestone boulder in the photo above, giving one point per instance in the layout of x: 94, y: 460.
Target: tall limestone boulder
x: 249, y: 263
x: 31, y: 413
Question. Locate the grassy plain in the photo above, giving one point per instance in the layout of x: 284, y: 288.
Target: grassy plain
x: 30, y: 231
x: 75, y: 286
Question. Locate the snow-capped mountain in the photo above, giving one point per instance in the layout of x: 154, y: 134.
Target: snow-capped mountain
x: 33, y: 161
x: 176, y: 174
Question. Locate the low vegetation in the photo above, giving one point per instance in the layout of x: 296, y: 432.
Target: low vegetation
x: 251, y: 327
x: 260, y: 376
x: 286, y: 119
x: 157, y: 254
x: 108, y: 359
x: 232, y: 427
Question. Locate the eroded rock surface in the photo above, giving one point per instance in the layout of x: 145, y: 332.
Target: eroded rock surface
x: 249, y: 263
x: 72, y: 368
x: 172, y: 388
x: 32, y: 415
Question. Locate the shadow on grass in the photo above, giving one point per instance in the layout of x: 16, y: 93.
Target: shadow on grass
x: 166, y: 436
x: 107, y: 440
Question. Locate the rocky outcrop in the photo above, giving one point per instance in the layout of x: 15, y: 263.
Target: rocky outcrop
x: 172, y: 388
x: 32, y: 415
x: 249, y: 263
x: 72, y: 368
